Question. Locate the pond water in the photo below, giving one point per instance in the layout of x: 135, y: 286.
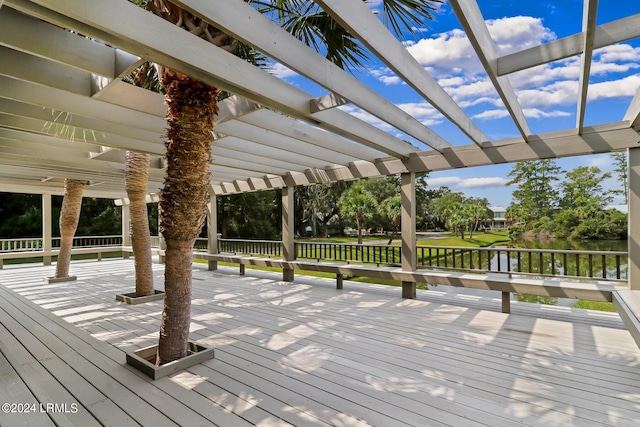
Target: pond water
x: 557, y: 244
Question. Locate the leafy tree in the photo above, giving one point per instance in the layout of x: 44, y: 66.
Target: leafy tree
x: 249, y: 215
x: 535, y: 195
x: 358, y: 204
x: 444, y: 206
x: 319, y: 204
x: 391, y: 209
x: 620, y: 169
x: 582, y: 189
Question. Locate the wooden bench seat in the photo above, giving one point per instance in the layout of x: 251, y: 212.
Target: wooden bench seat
x: 627, y: 303
x: 493, y: 281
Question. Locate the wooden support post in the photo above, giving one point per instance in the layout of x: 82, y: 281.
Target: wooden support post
x: 126, y: 229
x: 47, y: 231
x: 633, y: 238
x: 242, y: 267
x: 408, y: 258
x: 288, y: 231
x: 339, y: 280
x: 506, y: 302
x: 212, y: 230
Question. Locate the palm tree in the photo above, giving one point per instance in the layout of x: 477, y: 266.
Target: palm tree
x: 69, y: 216
x: 391, y: 208
x: 358, y: 204
x: 136, y: 178
x: 192, y: 106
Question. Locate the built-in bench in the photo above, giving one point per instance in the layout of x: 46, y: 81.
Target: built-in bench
x: 494, y: 281
x: 98, y: 250
x: 627, y: 303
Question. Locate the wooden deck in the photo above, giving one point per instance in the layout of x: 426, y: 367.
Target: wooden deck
x: 307, y: 354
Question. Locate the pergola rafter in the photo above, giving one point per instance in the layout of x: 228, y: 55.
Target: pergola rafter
x: 270, y: 134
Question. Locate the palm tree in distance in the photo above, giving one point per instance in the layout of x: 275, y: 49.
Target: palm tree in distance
x: 192, y: 107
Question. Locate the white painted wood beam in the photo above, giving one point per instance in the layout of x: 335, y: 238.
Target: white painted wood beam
x: 235, y: 107
x: 355, y: 16
x: 593, y: 140
x: 633, y: 111
x: 133, y: 97
x: 18, y: 31
x: 79, y: 134
x: 471, y: 19
x: 296, y: 160
x: 23, y: 66
x: 232, y: 15
x: 264, y: 136
x: 249, y: 166
x: 69, y: 102
x: 605, y: 35
x: 293, y: 128
x: 221, y: 152
x: 58, y: 118
x: 325, y: 102
x: 589, y: 14
x: 120, y: 23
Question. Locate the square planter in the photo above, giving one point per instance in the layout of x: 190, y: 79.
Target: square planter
x: 144, y: 360
x: 131, y: 298
x: 60, y: 279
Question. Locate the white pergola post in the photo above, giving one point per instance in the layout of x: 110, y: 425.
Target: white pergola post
x: 409, y: 257
x: 288, y: 231
x: 47, y: 228
x: 212, y: 230
x: 633, y: 270
x: 126, y: 229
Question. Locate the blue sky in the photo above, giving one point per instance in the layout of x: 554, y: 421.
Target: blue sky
x: 547, y: 93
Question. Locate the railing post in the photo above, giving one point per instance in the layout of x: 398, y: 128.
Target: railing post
x: 46, y: 227
x: 212, y: 230
x: 126, y: 225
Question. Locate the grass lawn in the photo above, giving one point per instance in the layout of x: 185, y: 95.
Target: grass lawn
x: 479, y: 240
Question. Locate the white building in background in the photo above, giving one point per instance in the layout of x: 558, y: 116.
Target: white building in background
x: 499, y: 220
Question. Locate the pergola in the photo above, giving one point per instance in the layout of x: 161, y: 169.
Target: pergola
x: 63, y: 62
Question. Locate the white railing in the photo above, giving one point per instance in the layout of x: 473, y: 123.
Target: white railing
x: 30, y: 244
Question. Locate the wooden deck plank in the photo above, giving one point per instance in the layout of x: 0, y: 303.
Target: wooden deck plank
x: 14, y: 391
x: 287, y: 352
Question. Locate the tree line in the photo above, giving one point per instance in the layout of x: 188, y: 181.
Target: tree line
x: 573, y: 207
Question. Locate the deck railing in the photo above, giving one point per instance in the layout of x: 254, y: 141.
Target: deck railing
x: 36, y: 244
x: 608, y: 265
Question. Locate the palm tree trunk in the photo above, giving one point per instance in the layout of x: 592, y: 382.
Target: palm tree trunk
x: 136, y: 178
x: 192, y: 106
x: 69, y: 216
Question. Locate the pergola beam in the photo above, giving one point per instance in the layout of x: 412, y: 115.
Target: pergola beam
x: 355, y: 16
x: 471, y: 19
x: 231, y: 16
x: 589, y: 12
x: 140, y: 32
x: 605, y: 35
x: 593, y: 140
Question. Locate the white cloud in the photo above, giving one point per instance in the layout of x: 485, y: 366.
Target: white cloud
x: 457, y: 183
x: 279, y: 70
x: 453, y: 51
x: 626, y: 86
x: 491, y: 114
